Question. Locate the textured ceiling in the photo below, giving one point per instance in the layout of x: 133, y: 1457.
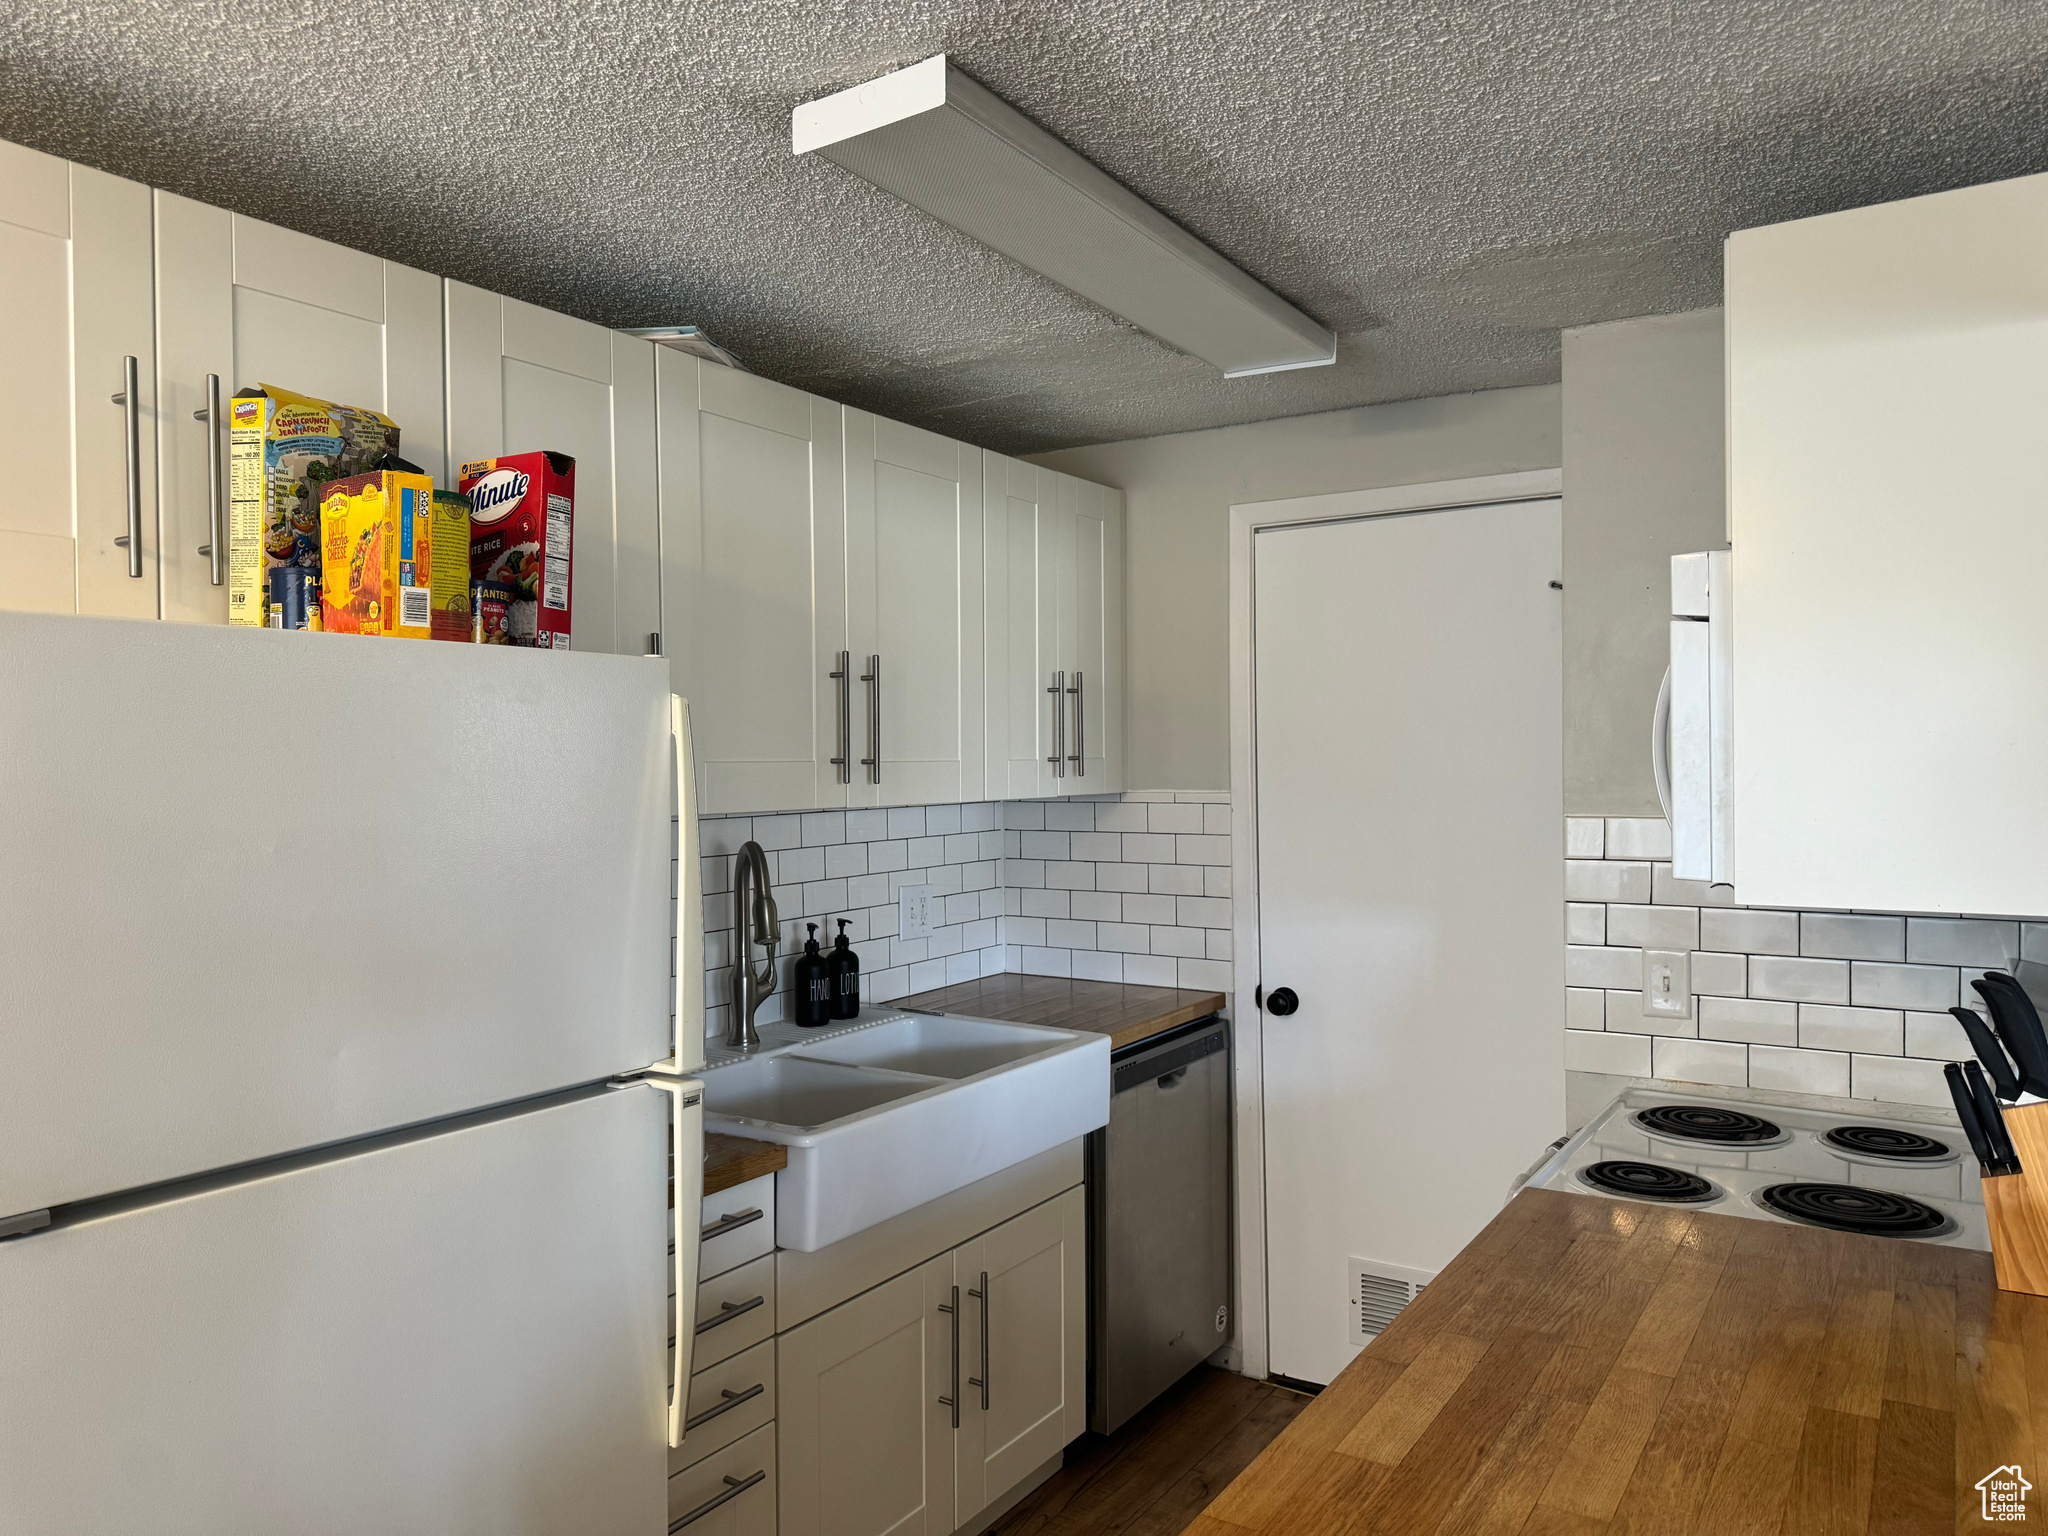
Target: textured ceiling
x: 1445, y: 185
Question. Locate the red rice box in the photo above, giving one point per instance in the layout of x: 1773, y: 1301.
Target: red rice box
x: 522, y: 513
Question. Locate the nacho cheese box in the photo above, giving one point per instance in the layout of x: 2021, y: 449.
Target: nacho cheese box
x: 282, y: 448
x: 394, y: 558
x: 522, y: 513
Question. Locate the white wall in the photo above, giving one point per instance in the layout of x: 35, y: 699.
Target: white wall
x: 1178, y: 492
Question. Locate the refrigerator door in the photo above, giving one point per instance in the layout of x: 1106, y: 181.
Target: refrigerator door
x: 269, y: 890
x: 457, y: 1332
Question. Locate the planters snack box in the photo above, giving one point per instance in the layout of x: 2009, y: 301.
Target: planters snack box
x: 522, y: 509
x: 395, y: 557
x: 282, y: 447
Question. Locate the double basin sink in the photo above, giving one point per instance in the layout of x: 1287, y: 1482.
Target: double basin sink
x: 895, y: 1109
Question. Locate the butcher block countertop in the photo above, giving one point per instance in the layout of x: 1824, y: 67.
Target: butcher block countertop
x: 1592, y: 1365
x: 1127, y: 1014
x: 731, y: 1160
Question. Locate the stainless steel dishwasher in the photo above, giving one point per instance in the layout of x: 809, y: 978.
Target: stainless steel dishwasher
x: 1159, y: 1219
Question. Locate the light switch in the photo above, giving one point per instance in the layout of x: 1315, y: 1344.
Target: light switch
x: 1667, y: 984
x: 914, y: 912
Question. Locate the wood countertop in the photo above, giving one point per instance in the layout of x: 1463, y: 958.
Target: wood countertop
x: 1591, y: 1365
x: 730, y: 1160
x: 1127, y: 1014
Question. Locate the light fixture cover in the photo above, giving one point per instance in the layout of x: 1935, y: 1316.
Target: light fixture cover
x: 941, y: 142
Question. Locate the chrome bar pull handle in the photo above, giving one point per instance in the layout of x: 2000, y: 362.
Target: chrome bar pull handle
x: 216, y: 546
x: 843, y: 676
x: 1080, y: 754
x: 729, y: 1400
x: 130, y: 399
x: 953, y: 1401
x: 873, y: 678
x: 1058, y: 690
x: 734, y: 1487
x: 981, y: 1381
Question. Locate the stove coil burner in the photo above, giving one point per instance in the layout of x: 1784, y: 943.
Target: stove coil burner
x: 1711, y: 1123
x: 1850, y: 1208
x: 1650, y: 1181
x: 1883, y: 1141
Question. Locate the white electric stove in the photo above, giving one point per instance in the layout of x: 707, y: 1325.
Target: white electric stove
x: 1845, y: 1172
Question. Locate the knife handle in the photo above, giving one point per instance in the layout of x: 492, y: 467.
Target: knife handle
x: 1995, y: 1134
x: 1966, y: 1114
x: 2021, y: 1031
x: 1990, y: 1052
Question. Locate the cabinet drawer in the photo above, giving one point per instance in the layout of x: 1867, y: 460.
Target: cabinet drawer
x: 739, y: 1224
x: 727, y: 1400
x: 730, y: 1492
x: 735, y: 1311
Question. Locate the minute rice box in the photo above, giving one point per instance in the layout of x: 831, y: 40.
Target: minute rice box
x: 523, y: 513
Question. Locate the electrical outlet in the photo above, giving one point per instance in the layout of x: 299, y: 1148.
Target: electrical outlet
x: 1667, y: 984
x: 914, y: 912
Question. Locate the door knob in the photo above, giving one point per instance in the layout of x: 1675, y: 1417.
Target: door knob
x: 1282, y: 1001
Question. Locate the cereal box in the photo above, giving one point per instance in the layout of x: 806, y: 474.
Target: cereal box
x: 282, y: 447
x: 522, y: 516
x: 395, y: 557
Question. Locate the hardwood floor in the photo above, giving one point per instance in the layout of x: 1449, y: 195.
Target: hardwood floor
x: 1153, y: 1476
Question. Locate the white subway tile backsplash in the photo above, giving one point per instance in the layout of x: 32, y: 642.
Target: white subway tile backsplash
x: 1586, y: 880
x: 1216, y: 819
x: 1799, y: 1071
x: 793, y: 865
x: 846, y: 859
x: 962, y: 847
x: 1720, y: 975
x: 1121, y: 877
x: 941, y: 820
x: 1585, y: 922
x: 1065, y: 933
x: 1202, y: 912
x: 1587, y: 965
x: 1069, y: 816
x: 1200, y: 848
x: 1625, y: 1013
x: 1929, y: 988
x: 1899, y: 1079
x: 984, y: 816
x: 1870, y: 1031
x: 1147, y: 908
x: 1096, y: 906
x: 1047, y: 962
x: 1216, y: 880
x: 820, y: 827
x: 1584, y: 837
x: 1187, y: 943
x: 1125, y: 938
x: 1174, y: 818
x: 867, y: 826
x: 1843, y: 936
x: 1654, y: 927
x: 1936, y: 1035
x: 1617, y: 1055
x: 1740, y: 930
x: 1797, y: 980
x: 1701, y: 1061
x: 1638, y: 837
x: 1119, y: 816
x: 1218, y: 942
x: 1148, y: 848
x: 1024, y: 930
x: 1024, y: 872
x: 1585, y: 1008
x: 773, y: 832
x: 1176, y: 879
x: 1962, y: 941
x: 1072, y: 877
x: 1043, y: 845
x: 1094, y: 965
x: 890, y: 854
x: 1668, y: 890
x: 1753, y: 1020
x: 1212, y: 975
x: 1096, y: 845
x: 1021, y: 816
x: 1151, y: 970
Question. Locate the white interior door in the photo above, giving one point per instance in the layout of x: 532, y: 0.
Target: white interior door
x: 460, y: 1332
x: 1022, y: 632
x: 437, y: 878
x: 522, y: 379
x: 753, y: 560
x: 1409, y: 793
x: 75, y: 303
x: 914, y: 599
x: 255, y: 304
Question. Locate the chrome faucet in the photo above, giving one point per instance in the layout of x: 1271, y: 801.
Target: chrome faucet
x: 754, y: 921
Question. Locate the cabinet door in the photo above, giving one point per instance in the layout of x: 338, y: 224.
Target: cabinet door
x: 75, y: 303
x: 1091, y: 545
x: 1021, y: 631
x: 1023, y: 1348
x: 255, y: 304
x: 520, y: 379
x: 753, y: 582
x: 866, y: 1447
x: 914, y: 602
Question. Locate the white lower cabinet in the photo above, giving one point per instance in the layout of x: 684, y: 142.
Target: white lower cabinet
x: 731, y: 1492
x: 918, y: 1404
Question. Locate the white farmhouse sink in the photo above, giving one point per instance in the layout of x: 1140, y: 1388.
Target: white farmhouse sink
x: 892, y: 1110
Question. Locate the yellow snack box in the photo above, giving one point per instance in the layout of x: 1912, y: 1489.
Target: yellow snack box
x: 394, y: 558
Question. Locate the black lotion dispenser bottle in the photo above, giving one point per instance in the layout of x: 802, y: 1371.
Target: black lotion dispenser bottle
x: 845, y: 978
x: 813, y: 983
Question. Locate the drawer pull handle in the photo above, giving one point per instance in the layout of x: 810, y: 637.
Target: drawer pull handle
x: 981, y: 1296
x: 732, y: 1400
x: 734, y: 1487
x: 728, y: 1310
x: 730, y: 1221
x: 953, y: 1400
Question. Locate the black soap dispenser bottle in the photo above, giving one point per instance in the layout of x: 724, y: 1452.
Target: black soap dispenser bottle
x: 845, y: 978
x: 813, y: 983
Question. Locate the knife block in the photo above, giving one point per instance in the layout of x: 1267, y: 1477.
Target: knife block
x: 2016, y: 1205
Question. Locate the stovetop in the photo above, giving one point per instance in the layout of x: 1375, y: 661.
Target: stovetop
x: 1847, y: 1172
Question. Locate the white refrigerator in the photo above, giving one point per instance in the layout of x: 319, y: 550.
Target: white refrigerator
x: 343, y: 1082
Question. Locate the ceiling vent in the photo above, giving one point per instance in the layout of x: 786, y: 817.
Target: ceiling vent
x: 1378, y: 1293
x: 943, y: 143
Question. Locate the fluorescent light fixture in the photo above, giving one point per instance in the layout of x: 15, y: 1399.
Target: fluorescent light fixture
x: 943, y: 143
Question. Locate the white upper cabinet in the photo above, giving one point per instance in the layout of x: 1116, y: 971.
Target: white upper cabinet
x: 1053, y: 575
x: 75, y: 307
x: 753, y: 585
x: 522, y: 379
x: 247, y: 303
x: 914, y: 614
x: 1887, y: 389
